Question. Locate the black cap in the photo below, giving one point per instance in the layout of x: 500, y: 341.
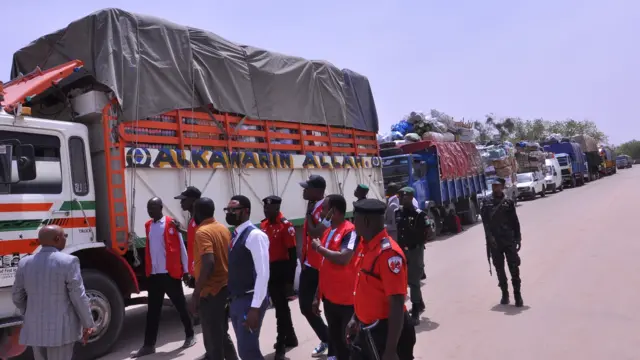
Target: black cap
x: 275, y: 200
x: 370, y: 206
x: 189, y: 192
x: 314, y: 182
x: 498, y: 181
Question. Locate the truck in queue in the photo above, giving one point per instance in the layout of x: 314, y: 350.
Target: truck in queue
x: 532, y: 170
x: 571, y: 160
x: 591, y: 155
x: 499, y: 161
x: 84, y: 144
x: 608, y: 160
x: 624, y: 161
x: 447, y: 177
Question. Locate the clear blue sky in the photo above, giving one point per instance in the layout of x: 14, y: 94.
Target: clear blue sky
x: 545, y: 58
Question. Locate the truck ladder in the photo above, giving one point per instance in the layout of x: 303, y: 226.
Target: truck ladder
x: 115, y: 161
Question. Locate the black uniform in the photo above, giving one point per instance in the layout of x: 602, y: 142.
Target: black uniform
x: 412, y: 225
x: 502, y: 232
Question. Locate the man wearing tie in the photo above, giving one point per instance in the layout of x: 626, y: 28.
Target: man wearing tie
x: 248, y: 277
x: 49, y: 292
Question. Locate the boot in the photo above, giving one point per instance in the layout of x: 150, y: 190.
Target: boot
x: 518, y: 297
x: 505, y: 296
x: 415, y: 314
x: 280, y: 352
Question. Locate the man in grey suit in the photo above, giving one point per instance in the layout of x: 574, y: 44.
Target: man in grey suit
x: 49, y: 292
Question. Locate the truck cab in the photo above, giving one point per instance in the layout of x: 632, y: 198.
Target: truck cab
x: 571, y: 160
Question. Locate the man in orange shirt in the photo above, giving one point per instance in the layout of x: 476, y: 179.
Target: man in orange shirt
x: 187, y: 198
x: 211, y: 270
x: 380, y: 318
x: 282, y: 265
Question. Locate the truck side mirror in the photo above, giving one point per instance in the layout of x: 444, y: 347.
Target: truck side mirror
x: 25, y: 162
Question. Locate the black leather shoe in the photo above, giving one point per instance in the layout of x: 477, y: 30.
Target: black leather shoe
x: 189, y: 342
x: 518, y: 297
x: 144, y: 351
x: 505, y: 297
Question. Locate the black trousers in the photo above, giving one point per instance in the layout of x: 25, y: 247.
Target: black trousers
x: 378, y: 338
x: 506, y: 249
x: 158, y: 286
x: 338, y: 317
x: 214, y: 315
x: 306, y: 294
x: 279, y: 283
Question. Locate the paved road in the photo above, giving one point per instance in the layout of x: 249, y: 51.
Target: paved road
x: 581, y: 286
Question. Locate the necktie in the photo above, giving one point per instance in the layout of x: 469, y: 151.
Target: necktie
x: 233, y: 238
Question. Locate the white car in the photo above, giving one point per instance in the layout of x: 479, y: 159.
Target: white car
x: 529, y: 185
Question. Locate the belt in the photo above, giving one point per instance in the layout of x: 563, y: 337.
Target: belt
x: 236, y: 297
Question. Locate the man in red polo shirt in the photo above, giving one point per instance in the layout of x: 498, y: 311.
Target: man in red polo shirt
x: 341, y: 249
x: 282, y: 265
x: 380, y: 318
x: 310, y: 260
x: 187, y: 198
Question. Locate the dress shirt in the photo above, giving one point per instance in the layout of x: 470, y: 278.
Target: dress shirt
x: 257, y: 243
x: 158, y: 251
x: 315, y: 207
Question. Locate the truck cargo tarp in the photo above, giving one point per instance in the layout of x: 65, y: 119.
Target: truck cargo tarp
x: 153, y: 66
x: 457, y: 159
x: 587, y: 143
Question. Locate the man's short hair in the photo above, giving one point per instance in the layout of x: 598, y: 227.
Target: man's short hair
x: 243, y: 201
x: 204, y: 206
x: 338, y: 202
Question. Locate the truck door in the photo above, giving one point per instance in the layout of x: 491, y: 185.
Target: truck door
x: 28, y: 205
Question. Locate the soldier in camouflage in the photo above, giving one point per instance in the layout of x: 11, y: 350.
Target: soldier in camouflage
x: 502, y: 232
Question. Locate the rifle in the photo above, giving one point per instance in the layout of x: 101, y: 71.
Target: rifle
x: 493, y: 212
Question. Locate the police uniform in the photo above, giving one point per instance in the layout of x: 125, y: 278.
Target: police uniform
x: 382, y: 273
x: 282, y: 265
x: 502, y: 232
x: 412, y: 226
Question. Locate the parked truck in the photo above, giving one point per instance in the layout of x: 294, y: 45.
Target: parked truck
x: 571, y: 160
x: 499, y: 161
x: 592, y: 157
x: 85, y: 148
x: 447, y: 176
x: 608, y: 160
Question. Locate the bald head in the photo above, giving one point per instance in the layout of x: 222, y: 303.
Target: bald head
x: 154, y: 208
x: 52, y: 235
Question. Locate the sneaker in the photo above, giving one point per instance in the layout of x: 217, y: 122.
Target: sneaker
x: 320, y: 350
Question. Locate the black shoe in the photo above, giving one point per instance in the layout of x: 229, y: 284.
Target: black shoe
x: 144, y: 351
x: 280, y: 351
x: 518, y: 297
x: 505, y: 297
x: 424, y: 276
x: 415, y: 314
x: 291, y: 342
x: 189, y: 342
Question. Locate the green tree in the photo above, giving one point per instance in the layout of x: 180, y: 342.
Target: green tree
x: 631, y: 148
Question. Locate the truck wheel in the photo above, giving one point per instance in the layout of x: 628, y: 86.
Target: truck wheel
x: 107, y: 308
x: 437, y: 219
x: 471, y: 216
x: 573, y: 181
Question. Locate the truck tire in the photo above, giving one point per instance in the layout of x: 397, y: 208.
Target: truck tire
x: 573, y: 181
x: 107, y: 308
x: 471, y: 216
x: 435, y: 215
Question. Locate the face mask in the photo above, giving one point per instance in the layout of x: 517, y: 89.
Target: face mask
x: 232, y: 219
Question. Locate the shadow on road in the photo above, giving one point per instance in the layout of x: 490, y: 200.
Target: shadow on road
x: 426, y: 325
x: 446, y: 236
x: 510, y: 309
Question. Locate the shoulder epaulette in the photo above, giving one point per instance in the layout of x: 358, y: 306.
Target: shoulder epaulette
x: 385, y: 244
x: 284, y: 220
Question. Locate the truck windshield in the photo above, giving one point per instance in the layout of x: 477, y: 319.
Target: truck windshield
x: 396, y: 170
x: 562, y: 160
x: 621, y: 158
x: 523, y: 178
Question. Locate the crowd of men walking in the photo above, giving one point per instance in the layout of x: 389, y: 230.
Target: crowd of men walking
x: 358, y: 270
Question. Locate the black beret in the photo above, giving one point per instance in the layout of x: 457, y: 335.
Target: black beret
x: 272, y: 199
x: 499, y: 181
x: 370, y: 206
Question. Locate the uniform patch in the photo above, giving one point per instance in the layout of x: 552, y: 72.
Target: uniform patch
x: 292, y: 231
x: 395, y: 264
x: 193, y: 224
x: 171, y: 231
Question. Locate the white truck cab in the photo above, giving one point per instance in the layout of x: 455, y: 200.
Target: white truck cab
x: 530, y: 185
x: 553, y: 178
